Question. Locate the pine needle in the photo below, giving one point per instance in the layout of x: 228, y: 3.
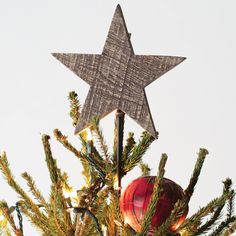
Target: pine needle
x: 145, y: 170
x: 63, y: 140
x: 100, y: 137
x: 33, y: 189
x: 207, y: 226
x: 4, y: 166
x: 154, y: 197
x: 137, y: 152
x: 193, y: 222
x: 44, y: 227
x: 225, y: 227
x: 74, y: 107
x: 130, y: 143
x: 230, y: 230
x: 57, y: 192
x: 197, y: 170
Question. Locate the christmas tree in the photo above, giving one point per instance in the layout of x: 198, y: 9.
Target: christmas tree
x: 98, y: 208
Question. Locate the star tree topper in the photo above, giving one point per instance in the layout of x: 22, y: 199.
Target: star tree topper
x: 117, y: 77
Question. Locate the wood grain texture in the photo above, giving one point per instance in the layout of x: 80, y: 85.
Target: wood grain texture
x: 117, y: 77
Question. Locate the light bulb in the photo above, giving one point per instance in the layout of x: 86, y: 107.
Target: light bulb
x: 104, y: 230
x: 3, y: 220
x: 115, y: 183
x: 89, y: 135
x: 72, y: 194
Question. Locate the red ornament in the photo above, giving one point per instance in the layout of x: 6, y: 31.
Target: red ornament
x: 134, y: 201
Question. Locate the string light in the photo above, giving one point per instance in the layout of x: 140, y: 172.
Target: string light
x: 1, y: 216
x: 89, y: 135
x: 3, y: 220
x: 70, y: 193
x: 177, y: 225
x: 104, y: 230
x: 184, y: 232
x: 115, y: 184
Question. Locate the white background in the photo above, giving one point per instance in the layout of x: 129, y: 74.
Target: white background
x: 193, y: 105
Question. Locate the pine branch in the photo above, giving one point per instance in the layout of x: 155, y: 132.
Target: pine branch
x: 194, y: 221
x: 63, y: 216
x: 74, y: 107
x: 230, y: 209
x: 91, y: 215
x: 84, y: 142
x: 51, y: 163
x: 45, y: 227
x: 93, y: 164
x: 99, y: 136
x: 57, y: 192
x: 84, y: 224
x: 144, y: 169
x: 223, y: 227
x: 130, y: 143
x: 63, y: 140
x: 65, y: 180
x: 56, y: 215
x: 137, y: 152
x: 93, y: 159
x: 197, y: 169
x: 4, y: 166
x: 33, y: 189
x: 83, y: 158
x: 212, y: 221
x: 227, y: 226
x: 100, y: 209
x: 87, y: 172
x: 114, y: 217
x: 231, y: 229
x: 88, y: 199
x: 154, y: 197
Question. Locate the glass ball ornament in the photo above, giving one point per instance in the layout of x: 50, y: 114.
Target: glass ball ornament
x: 134, y: 202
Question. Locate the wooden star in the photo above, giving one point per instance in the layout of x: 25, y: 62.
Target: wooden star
x: 117, y: 77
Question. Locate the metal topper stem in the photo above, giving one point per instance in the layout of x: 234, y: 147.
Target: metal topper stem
x: 120, y: 115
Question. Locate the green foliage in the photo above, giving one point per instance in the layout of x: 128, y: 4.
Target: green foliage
x: 217, y: 212
x: 135, y: 156
x: 97, y: 202
x: 145, y: 170
x: 54, y: 219
x: 96, y: 129
x: 33, y: 189
x: 130, y: 143
x: 154, y: 198
x: 74, y: 107
x: 196, y: 172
